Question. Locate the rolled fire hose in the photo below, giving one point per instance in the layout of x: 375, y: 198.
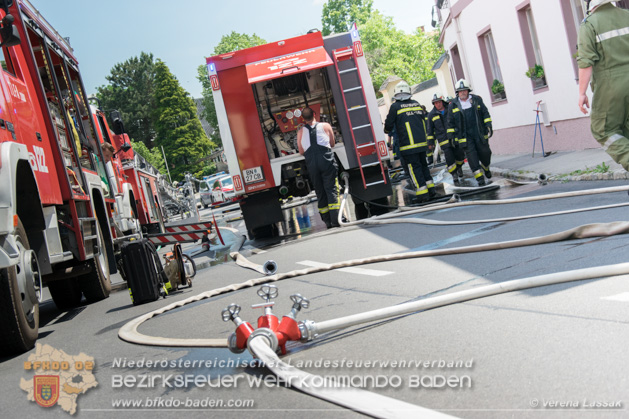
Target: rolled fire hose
x: 129, y: 332
x: 372, y: 404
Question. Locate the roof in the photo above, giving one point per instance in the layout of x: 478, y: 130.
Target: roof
x: 425, y: 85
x: 440, y: 61
x: 389, y: 79
x: 381, y: 102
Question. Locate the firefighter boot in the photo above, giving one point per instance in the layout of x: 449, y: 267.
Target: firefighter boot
x: 459, y: 171
x: 481, y: 181
x: 455, y: 178
x: 487, y: 173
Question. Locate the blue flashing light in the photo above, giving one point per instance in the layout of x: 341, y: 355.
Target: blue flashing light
x: 354, y: 33
x: 212, y: 67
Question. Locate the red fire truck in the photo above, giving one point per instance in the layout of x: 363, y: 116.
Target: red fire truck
x: 54, y: 226
x: 134, y: 181
x: 259, y: 93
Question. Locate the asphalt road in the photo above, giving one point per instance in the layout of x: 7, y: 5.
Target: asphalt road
x: 556, y: 351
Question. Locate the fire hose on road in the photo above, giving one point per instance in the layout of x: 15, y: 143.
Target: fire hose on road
x: 272, y: 334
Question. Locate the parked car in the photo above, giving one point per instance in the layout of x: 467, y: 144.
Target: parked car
x: 205, y: 193
x: 223, y: 190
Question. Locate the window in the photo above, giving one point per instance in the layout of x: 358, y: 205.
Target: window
x: 531, y: 46
x: 456, y: 63
x: 5, y: 60
x: 573, y: 15
x: 491, y: 63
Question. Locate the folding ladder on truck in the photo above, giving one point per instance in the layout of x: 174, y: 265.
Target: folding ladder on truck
x: 355, y: 105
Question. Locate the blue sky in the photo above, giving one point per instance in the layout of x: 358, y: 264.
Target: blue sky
x: 106, y: 32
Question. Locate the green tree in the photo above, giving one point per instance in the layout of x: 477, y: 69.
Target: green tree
x: 209, y: 110
x: 177, y: 126
x: 236, y: 41
x: 130, y: 90
x: 233, y: 42
x: 390, y: 51
x: 153, y: 156
x: 338, y: 15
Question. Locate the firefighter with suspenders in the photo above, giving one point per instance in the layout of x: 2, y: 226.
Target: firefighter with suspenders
x: 315, y: 141
x: 470, y: 124
x: 408, y: 118
x: 437, y: 133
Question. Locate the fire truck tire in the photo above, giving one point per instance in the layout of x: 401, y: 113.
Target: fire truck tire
x: 96, y: 285
x: 18, y: 330
x: 66, y: 293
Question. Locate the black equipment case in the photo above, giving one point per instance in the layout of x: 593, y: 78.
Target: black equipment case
x: 142, y: 270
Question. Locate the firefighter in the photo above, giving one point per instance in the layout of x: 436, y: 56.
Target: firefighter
x: 437, y: 133
x: 469, y: 123
x: 604, y: 57
x: 408, y: 118
x: 108, y: 151
x: 315, y: 141
x: 395, y: 147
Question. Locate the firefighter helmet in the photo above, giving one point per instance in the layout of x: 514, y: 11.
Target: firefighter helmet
x: 462, y: 84
x: 439, y: 97
x: 402, y: 90
x: 591, y: 4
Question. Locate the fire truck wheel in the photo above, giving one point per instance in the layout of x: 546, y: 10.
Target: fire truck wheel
x: 19, y: 310
x: 66, y: 293
x: 96, y: 285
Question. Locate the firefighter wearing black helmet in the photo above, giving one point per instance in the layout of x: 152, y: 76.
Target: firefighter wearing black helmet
x: 469, y: 123
x: 408, y: 118
x: 437, y: 132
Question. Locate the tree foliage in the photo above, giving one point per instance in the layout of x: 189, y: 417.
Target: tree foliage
x: 209, y: 110
x: 177, y: 126
x: 390, y: 51
x: 153, y: 156
x: 236, y: 41
x: 130, y: 90
x: 233, y: 42
x: 338, y: 15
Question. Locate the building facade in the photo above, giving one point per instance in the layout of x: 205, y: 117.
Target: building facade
x: 496, y: 42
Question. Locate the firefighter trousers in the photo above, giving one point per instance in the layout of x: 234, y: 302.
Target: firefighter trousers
x: 610, y: 116
x: 455, y: 156
x: 323, y: 173
x: 419, y: 172
x: 478, y: 156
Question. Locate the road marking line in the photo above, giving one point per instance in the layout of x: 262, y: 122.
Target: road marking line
x: 624, y: 297
x: 359, y: 271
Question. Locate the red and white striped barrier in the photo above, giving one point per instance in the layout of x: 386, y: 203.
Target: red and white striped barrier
x: 161, y: 239
x: 188, y: 227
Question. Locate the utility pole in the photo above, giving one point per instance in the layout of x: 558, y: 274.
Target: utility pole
x: 166, y: 162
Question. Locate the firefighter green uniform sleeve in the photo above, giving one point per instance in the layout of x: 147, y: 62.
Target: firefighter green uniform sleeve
x: 587, y: 53
x: 389, y: 123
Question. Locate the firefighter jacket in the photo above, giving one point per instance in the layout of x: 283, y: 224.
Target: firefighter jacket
x: 456, y: 120
x: 409, y: 120
x: 436, y: 128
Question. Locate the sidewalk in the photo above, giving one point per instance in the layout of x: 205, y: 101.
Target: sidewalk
x: 591, y: 164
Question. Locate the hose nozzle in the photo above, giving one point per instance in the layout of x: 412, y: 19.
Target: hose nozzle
x: 270, y: 267
x: 542, y: 179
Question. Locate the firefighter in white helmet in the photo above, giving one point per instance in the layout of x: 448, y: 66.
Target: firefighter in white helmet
x: 437, y: 132
x: 408, y: 118
x: 603, y: 57
x: 469, y: 123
